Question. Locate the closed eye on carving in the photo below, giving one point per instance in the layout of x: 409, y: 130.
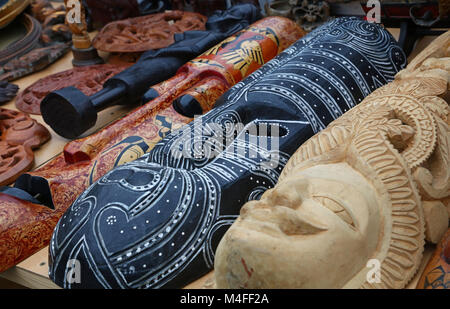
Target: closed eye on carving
x: 337, y: 208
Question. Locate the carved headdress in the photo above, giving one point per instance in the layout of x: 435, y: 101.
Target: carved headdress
x: 399, y: 138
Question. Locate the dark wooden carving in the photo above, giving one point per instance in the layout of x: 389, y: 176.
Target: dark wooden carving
x: 19, y: 135
x: 24, y: 45
x: 147, y: 32
x: 7, y: 91
x: 88, y: 80
x: 56, y: 33
x: 34, y: 61
x: 42, y: 9
x: 46, y: 42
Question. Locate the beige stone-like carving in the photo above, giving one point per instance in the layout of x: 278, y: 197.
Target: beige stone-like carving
x: 361, y: 195
x: 436, y: 220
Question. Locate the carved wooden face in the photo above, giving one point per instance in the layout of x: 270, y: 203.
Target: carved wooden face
x: 315, y: 229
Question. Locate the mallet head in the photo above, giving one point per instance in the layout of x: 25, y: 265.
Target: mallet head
x: 69, y: 112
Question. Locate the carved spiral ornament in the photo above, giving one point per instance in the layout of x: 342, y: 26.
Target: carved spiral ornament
x: 410, y: 112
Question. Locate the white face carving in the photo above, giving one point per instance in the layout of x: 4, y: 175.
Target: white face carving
x: 316, y: 229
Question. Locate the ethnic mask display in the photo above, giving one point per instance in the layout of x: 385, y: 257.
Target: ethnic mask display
x: 156, y: 222
x: 58, y: 183
x: 359, y: 191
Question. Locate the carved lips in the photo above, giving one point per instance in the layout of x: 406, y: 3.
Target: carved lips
x: 20, y: 134
x: 147, y: 32
x: 89, y: 80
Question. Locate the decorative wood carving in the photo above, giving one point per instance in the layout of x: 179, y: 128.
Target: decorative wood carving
x: 49, y: 44
x: 53, y: 22
x: 88, y: 80
x: 15, y: 160
x: 147, y: 32
x: 42, y: 9
x: 19, y: 135
x: 86, y: 160
x: 33, y: 61
x: 24, y: 45
x: 361, y: 185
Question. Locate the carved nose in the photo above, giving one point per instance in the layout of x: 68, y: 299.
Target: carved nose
x: 292, y: 222
x: 250, y: 205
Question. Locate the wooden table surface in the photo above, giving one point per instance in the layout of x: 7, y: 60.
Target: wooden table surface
x: 33, y: 272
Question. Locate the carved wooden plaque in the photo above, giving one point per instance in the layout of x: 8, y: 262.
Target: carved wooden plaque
x: 19, y: 135
x: 147, y: 32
